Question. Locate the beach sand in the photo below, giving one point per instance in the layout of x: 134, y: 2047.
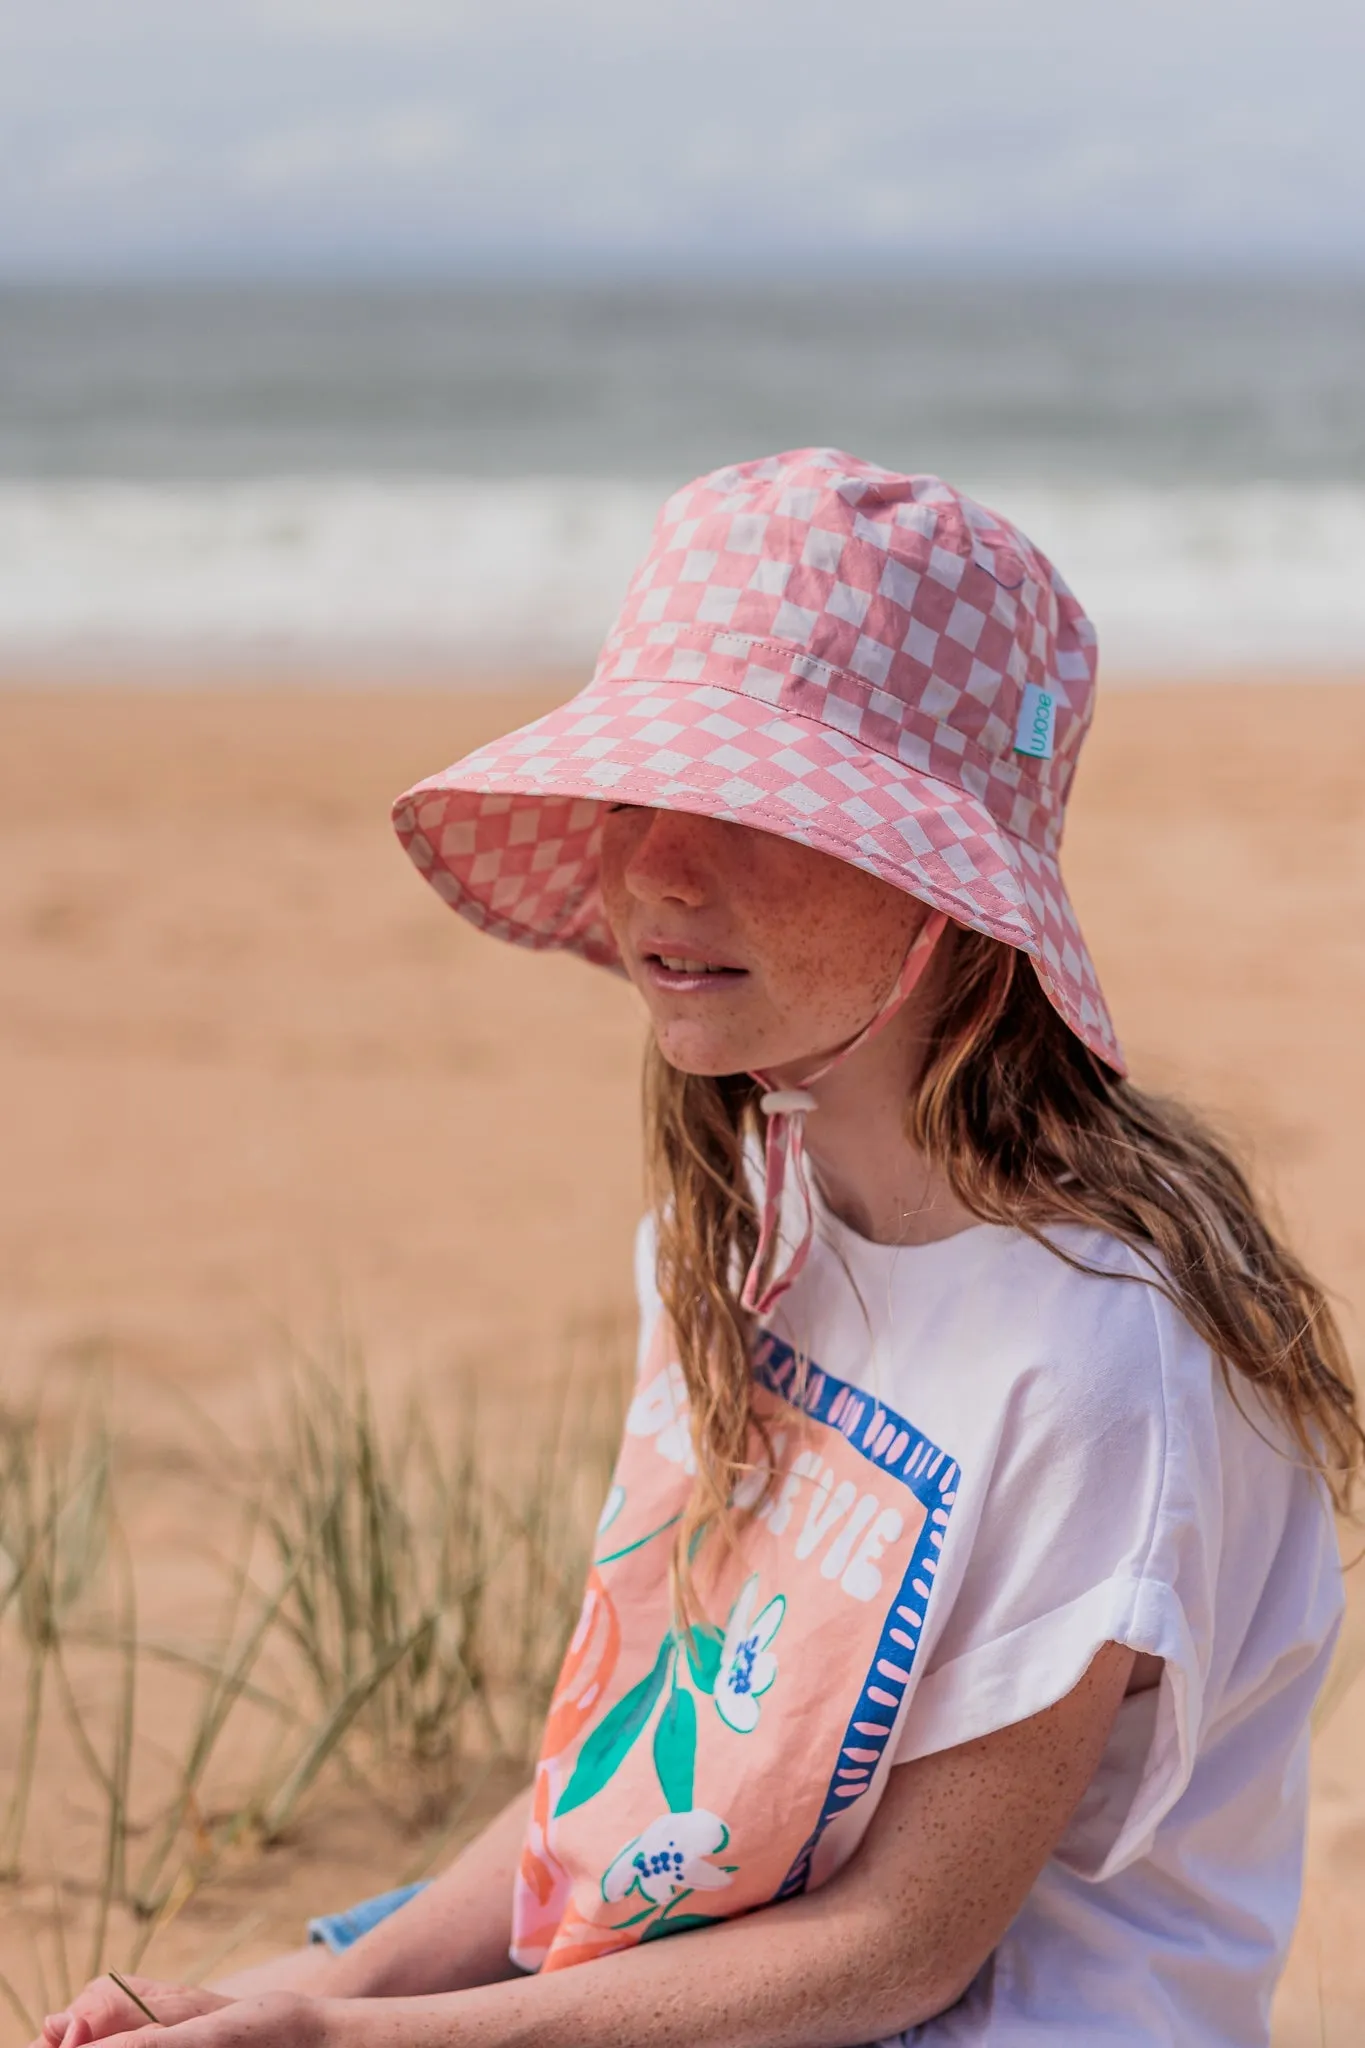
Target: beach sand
x: 260, y: 1086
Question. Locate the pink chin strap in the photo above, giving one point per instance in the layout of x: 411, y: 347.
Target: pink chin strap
x: 787, y: 1109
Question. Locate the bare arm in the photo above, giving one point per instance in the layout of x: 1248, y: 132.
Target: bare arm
x: 894, y: 1937
x: 452, y: 1935
x: 891, y: 1940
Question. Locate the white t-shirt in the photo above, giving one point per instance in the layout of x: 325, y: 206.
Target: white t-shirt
x: 1109, y: 1489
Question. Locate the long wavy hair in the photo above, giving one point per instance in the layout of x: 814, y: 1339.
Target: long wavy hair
x: 1032, y: 1130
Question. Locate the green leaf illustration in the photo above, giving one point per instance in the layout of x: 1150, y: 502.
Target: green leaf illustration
x: 675, y: 1749
x: 610, y: 1742
x: 681, y: 1923
x: 704, y: 1645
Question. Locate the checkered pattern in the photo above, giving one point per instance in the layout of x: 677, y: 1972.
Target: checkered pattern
x: 816, y: 647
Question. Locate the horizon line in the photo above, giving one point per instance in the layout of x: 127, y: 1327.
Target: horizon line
x: 906, y: 270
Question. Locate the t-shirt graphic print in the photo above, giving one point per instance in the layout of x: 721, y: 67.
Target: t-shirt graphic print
x: 687, y: 1776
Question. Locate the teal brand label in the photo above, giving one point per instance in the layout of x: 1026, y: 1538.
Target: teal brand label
x: 1037, y: 723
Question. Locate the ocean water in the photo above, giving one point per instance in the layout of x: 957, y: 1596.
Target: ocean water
x: 469, y: 474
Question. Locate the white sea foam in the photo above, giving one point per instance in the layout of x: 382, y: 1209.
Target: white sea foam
x: 513, y: 572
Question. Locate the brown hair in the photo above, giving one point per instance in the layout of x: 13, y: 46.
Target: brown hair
x: 1030, y: 1129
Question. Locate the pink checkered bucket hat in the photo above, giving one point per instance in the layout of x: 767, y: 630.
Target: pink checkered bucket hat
x: 871, y: 664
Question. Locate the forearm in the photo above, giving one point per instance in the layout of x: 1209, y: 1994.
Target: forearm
x: 311, y: 1970
x: 892, y: 1939
x: 815, y: 1972
x: 453, y: 1935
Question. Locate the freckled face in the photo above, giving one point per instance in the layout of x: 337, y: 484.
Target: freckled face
x: 749, y: 950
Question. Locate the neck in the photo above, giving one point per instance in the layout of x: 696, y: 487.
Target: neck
x: 870, y: 1174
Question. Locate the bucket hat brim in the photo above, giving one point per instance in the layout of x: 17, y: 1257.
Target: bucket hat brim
x: 509, y: 836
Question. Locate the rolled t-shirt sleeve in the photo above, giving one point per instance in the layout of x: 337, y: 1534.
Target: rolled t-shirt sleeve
x: 1100, y: 1521
x: 648, y: 1304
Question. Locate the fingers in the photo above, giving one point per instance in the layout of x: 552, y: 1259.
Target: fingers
x: 191, y: 2019
x: 63, y: 2030
x: 66, y: 2030
x: 97, y: 2011
x: 102, y: 2012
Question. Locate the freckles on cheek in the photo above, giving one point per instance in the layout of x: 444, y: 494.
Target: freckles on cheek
x: 611, y: 885
x: 835, y: 950
x: 836, y: 944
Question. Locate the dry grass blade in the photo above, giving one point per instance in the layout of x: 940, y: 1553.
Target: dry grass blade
x: 53, y: 1517
x: 393, y: 1619
x: 65, y: 1987
x: 225, y: 1689
x: 114, y: 1875
x: 139, y: 2002
x: 388, y: 1553
x: 397, y: 1542
x: 175, y: 1900
x: 18, y: 2008
x: 213, y: 1958
x: 205, y: 1663
x: 277, y: 1815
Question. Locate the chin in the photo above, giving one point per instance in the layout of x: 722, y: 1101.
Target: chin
x: 697, y: 1052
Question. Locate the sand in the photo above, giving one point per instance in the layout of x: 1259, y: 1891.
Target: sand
x: 259, y: 1084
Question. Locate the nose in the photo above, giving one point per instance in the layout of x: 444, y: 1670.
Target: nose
x: 667, y: 863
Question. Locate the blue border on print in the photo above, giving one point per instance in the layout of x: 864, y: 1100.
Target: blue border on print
x: 894, y: 1447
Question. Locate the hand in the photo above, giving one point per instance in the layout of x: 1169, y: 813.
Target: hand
x: 277, y: 2019
x: 102, y: 2010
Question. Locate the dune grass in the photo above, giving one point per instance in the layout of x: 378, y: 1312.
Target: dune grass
x: 54, y: 1526
x: 391, y: 1618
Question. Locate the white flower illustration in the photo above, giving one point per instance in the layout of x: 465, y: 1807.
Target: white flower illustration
x: 611, y: 1508
x: 660, y: 1410
x: 747, y: 1666
x: 668, y: 1858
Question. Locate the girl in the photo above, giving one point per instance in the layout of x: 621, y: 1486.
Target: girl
x: 968, y: 1575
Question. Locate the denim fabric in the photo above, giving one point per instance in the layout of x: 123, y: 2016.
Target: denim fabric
x: 338, y: 1930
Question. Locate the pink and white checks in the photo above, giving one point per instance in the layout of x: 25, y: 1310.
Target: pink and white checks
x: 869, y: 663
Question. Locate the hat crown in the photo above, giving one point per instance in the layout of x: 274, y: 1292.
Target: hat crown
x: 891, y: 607
x: 870, y: 665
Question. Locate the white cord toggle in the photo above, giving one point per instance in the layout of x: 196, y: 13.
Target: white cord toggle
x: 786, y: 1102
x: 784, y: 1141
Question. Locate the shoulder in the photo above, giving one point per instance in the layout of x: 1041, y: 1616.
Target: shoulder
x: 1084, y: 1325
x: 649, y: 1306
x: 646, y: 1251
x: 1112, y: 1397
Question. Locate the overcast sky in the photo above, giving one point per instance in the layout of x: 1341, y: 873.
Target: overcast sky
x: 433, y: 135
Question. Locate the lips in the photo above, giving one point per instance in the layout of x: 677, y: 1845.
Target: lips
x: 685, y: 973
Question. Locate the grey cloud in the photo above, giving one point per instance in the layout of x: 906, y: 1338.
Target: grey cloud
x: 439, y: 132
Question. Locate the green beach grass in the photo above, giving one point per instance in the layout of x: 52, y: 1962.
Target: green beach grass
x: 387, y: 1626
